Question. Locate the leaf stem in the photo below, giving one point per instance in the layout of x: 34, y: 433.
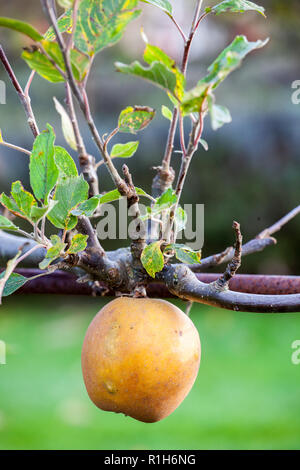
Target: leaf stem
x: 29, y: 82
x: 181, y: 32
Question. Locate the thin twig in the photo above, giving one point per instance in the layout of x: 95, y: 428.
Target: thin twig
x: 182, y: 138
x: 165, y: 168
x: 24, y: 98
x: 29, y: 252
x: 74, y: 24
x: 197, y: 13
x: 109, y: 137
x: 200, y: 19
x: 87, y: 162
x: 15, y: 147
x: 29, y: 82
x: 235, y: 263
x: 279, y: 224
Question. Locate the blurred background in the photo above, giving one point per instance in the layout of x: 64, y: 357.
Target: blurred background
x: 247, y: 394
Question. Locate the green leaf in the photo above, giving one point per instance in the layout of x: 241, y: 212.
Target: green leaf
x: 69, y: 193
x: 165, y: 201
x: 157, y: 73
x: 66, y: 124
x: 162, y: 71
x: 37, y: 213
x: 21, y: 27
x: 43, y: 171
x: 87, y: 207
x: 166, y: 112
x: 237, y: 6
x: 124, y: 150
x: 193, y: 99
x: 141, y: 192
x: 78, y: 243
x: 10, y: 204
x: 153, y: 54
x: 54, y: 252
x: 184, y: 253
x: 163, y: 5
x: 152, y: 258
x: 134, y: 119
x: 11, y: 264
x: 13, y: 283
x: 37, y: 61
x: 64, y: 24
x: 219, y: 116
x: 64, y: 162
x: 80, y: 64
x: 101, y: 23
x: 180, y: 219
x: 228, y: 61
x: 6, y: 224
x: 24, y: 200
x: 110, y: 196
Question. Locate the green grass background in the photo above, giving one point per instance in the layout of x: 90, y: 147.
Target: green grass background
x: 247, y: 394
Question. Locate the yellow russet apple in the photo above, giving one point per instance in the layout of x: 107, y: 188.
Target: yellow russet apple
x: 140, y: 357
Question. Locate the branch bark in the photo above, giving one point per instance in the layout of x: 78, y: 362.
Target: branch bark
x: 232, y: 267
x: 117, y: 273
x: 253, y: 246
x: 184, y: 284
x: 66, y: 283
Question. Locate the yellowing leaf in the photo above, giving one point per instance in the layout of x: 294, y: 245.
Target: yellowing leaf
x: 78, y: 243
x: 134, y: 119
x: 152, y: 258
x: 66, y: 124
